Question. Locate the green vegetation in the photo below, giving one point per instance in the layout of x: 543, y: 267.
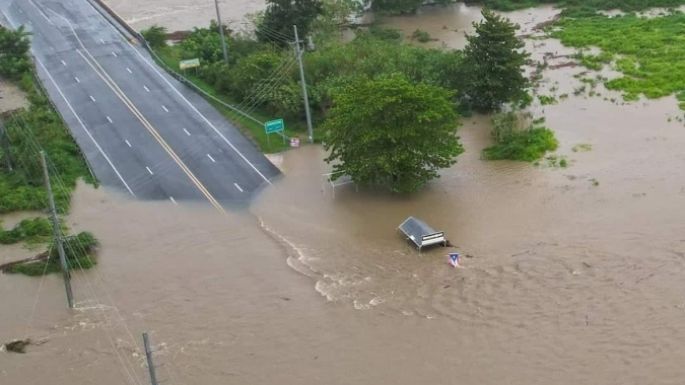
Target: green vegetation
x: 281, y: 15
x: 171, y: 56
x: 391, y: 133
x: 515, y: 143
x: 493, y: 65
x: 78, y: 250
x: 555, y: 161
x: 421, y: 36
x: 580, y: 7
x: 14, y: 45
x: 29, y: 230
x: 582, y: 147
x: 649, y: 52
x: 547, y: 100
x: 155, y: 36
x: 28, y: 131
x: 571, y: 7
x: 333, y: 65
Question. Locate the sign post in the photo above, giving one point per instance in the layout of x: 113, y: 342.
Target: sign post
x: 273, y: 127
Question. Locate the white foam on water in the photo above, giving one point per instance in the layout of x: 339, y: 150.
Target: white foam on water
x: 301, y: 266
x: 321, y: 288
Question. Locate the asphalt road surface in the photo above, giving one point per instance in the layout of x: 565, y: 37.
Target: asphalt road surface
x: 141, y: 130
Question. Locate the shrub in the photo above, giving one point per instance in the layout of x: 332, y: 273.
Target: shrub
x: 78, y: 250
x: 515, y: 143
x: 14, y: 48
x: 155, y: 36
x: 32, y: 230
x: 421, y: 36
x: 547, y: 100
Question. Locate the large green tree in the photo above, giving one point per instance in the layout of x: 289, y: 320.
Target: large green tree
x: 14, y: 48
x: 391, y: 133
x: 493, y: 65
x: 281, y: 15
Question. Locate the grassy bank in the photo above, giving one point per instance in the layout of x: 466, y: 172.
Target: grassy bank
x: 28, y: 131
x: 649, y: 52
x: 171, y: 56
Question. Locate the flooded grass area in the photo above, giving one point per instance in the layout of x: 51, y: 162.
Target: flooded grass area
x: 648, y: 52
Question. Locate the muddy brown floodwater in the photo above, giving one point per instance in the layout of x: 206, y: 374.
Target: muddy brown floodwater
x: 184, y: 15
x: 575, y: 275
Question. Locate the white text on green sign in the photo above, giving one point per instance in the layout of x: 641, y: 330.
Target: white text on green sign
x: 274, y: 126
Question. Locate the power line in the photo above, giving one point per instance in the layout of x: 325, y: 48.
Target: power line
x: 32, y: 143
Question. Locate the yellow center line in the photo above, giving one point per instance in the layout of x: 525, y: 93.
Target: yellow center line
x: 129, y: 104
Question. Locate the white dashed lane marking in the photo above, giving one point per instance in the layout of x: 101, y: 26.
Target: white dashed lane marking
x: 109, y: 119
x: 148, y: 170
x: 186, y: 131
x: 210, y: 158
x: 129, y: 144
x: 238, y: 187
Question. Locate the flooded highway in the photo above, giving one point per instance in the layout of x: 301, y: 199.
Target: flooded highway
x: 571, y: 274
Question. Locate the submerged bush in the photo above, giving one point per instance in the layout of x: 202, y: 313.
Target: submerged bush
x: 32, y: 230
x: 79, y: 251
x: 421, y: 36
x: 514, y: 143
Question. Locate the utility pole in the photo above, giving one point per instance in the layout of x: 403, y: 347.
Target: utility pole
x: 5, y: 142
x: 299, y: 52
x: 221, y: 31
x: 148, y: 355
x: 56, y: 230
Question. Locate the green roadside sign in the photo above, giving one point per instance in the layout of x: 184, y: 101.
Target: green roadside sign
x: 274, y: 126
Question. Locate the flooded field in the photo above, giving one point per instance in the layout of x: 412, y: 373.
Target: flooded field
x: 572, y: 275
